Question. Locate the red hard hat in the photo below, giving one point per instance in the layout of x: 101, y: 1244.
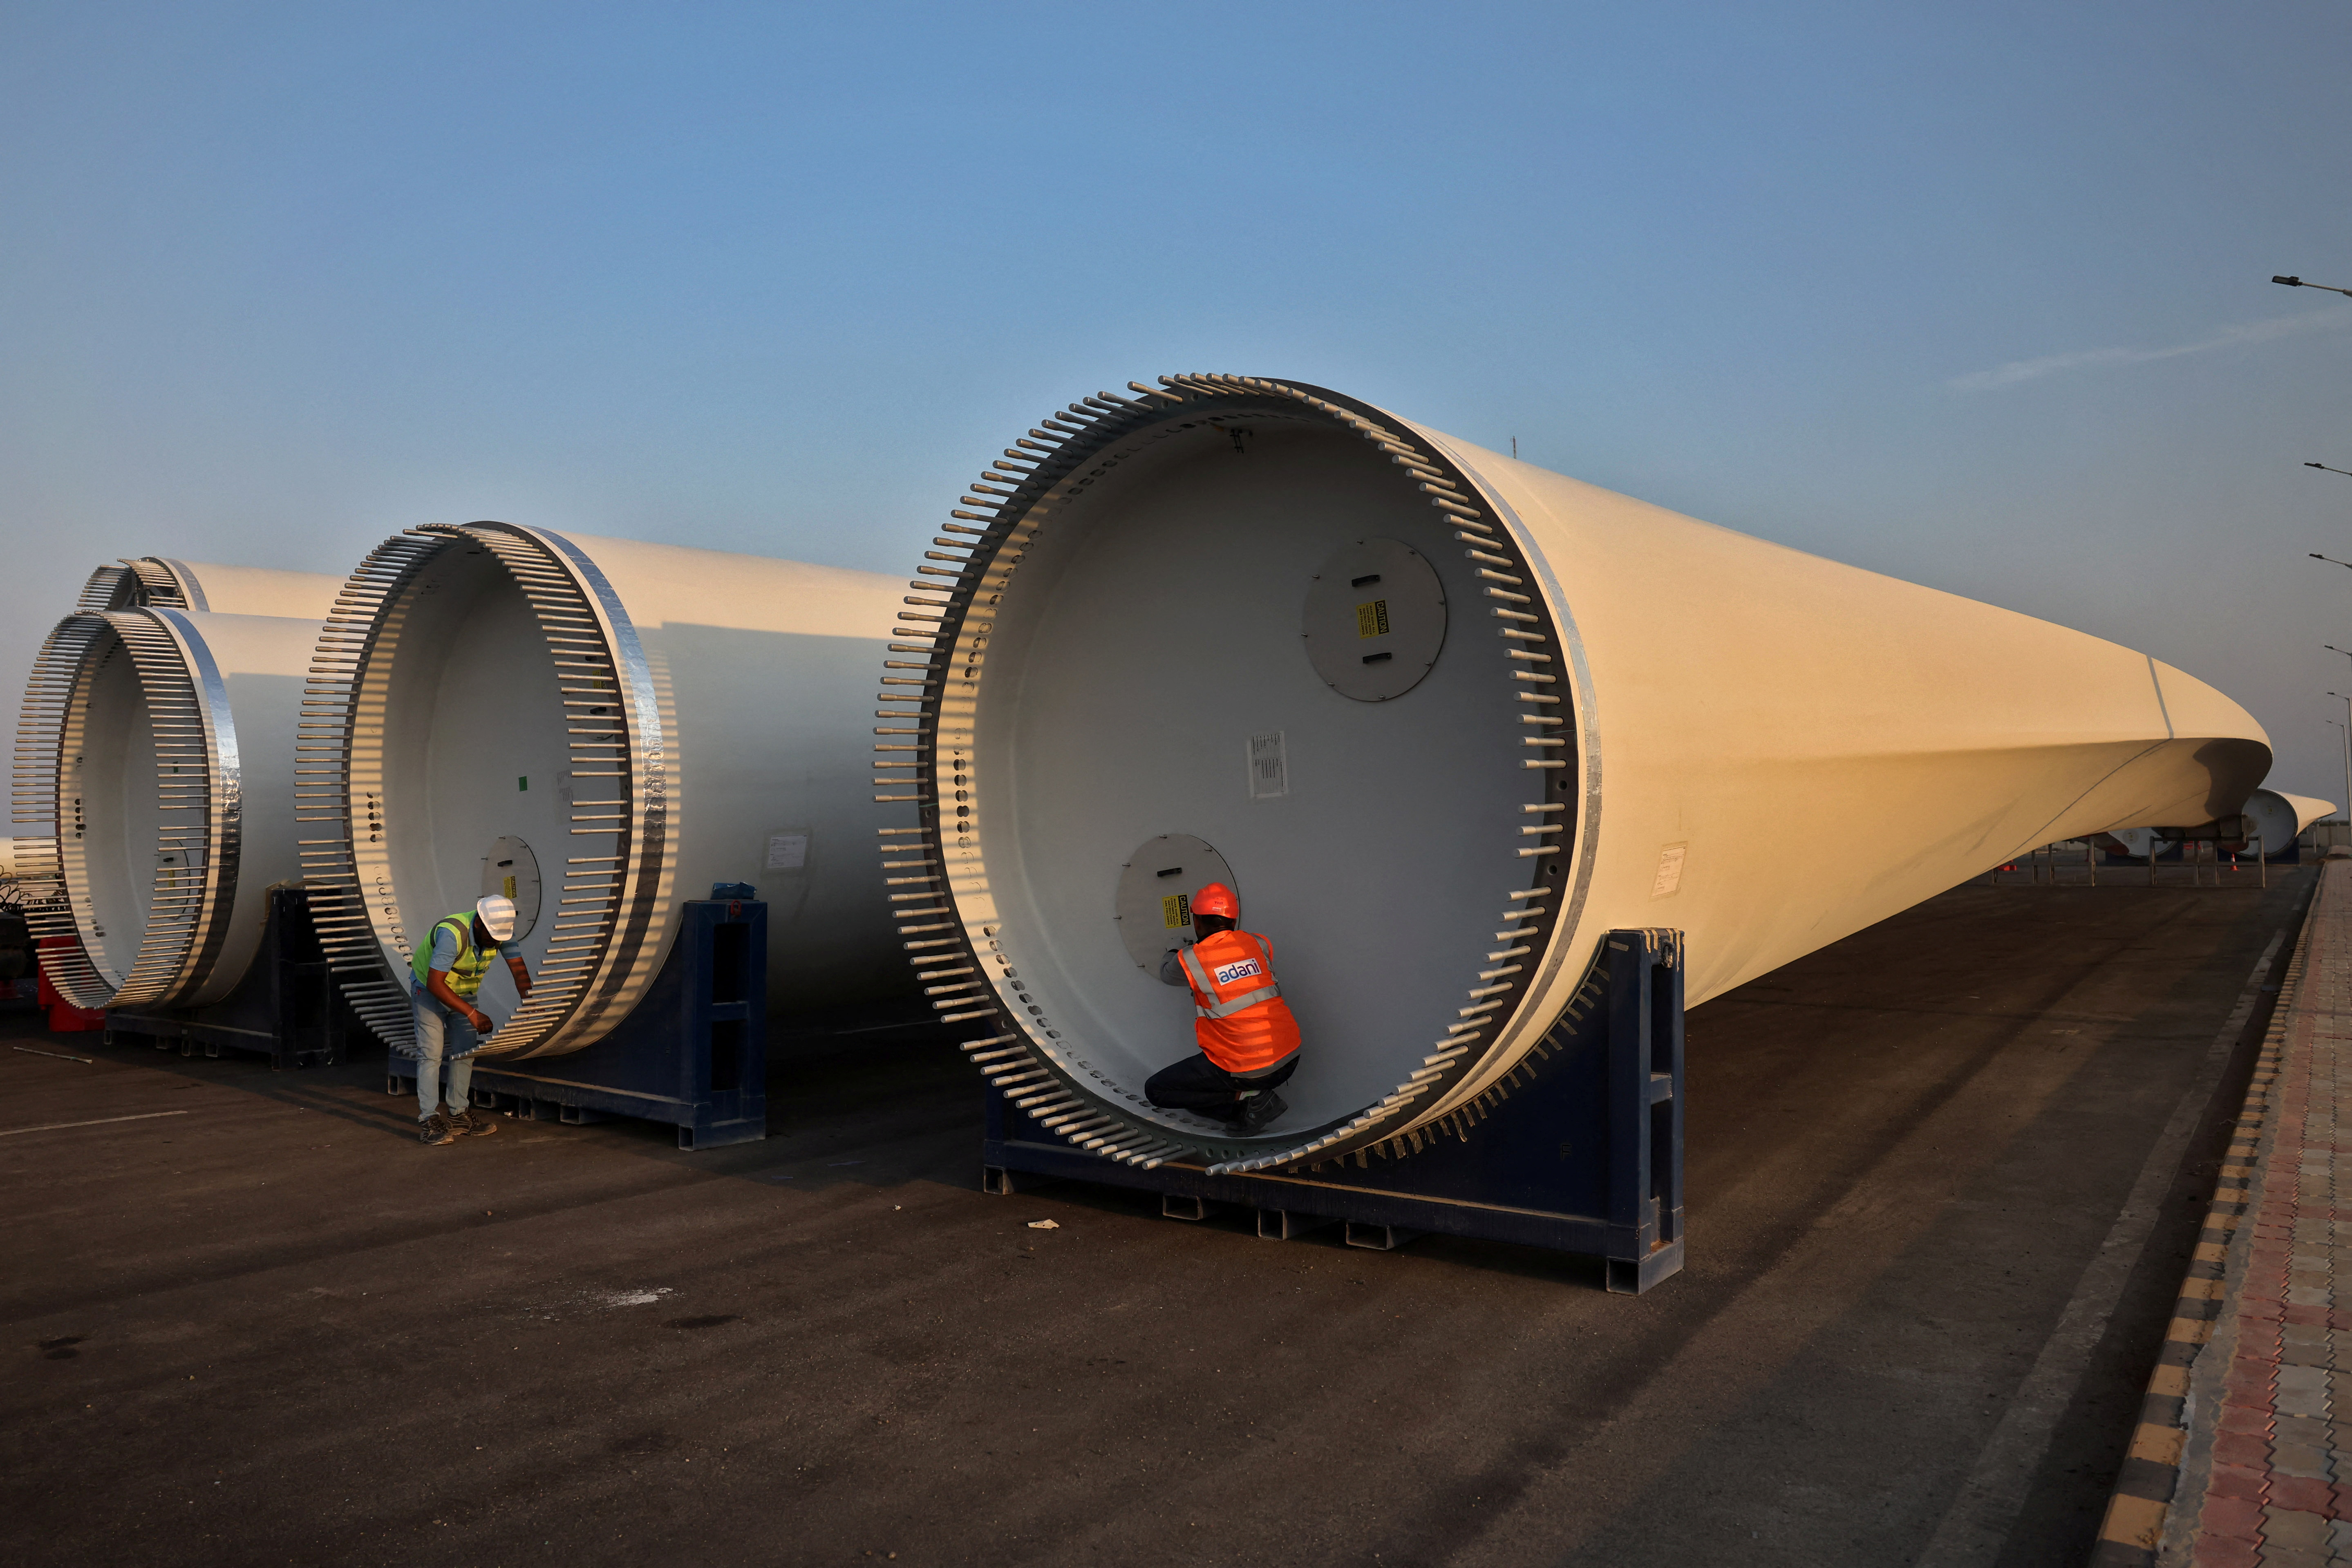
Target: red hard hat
x: 1216, y: 898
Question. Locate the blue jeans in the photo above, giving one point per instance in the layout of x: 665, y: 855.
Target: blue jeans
x: 441, y: 1032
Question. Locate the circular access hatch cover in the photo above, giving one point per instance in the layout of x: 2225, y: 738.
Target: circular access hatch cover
x: 1375, y: 619
x: 512, y: 870
x: 1155, y: 894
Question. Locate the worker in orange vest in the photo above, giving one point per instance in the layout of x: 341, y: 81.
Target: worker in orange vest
x: 1249, y: 1041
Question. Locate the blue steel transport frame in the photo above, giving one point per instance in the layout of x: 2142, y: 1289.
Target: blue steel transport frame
x: 285, y: 1008
x: 692, y: 1053
x: 1587, y: 1159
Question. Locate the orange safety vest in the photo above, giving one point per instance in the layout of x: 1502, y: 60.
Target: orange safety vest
x: 1242, y: 1024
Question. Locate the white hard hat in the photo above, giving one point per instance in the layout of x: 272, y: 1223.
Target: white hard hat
x: 497, y: 916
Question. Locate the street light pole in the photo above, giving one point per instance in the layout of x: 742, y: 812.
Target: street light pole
x: 2299, y: 283
x: 2325, y: 469
x: 2347, y: 728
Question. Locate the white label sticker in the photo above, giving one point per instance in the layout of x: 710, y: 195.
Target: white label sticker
x: 1269, y: 769
x: 787, y: 852
x: 1670, y: 870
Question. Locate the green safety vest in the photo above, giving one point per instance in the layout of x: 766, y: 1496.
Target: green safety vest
x: 466, y: 972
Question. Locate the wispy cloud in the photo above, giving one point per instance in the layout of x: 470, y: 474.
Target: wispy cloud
x: 2022, y: 369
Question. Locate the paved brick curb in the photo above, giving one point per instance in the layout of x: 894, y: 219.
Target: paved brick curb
x: 2236, y: 1458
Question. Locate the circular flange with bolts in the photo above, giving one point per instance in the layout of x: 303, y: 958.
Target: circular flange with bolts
x: 157, y: 758
x: 604, y: 730
x: 1121, y: 642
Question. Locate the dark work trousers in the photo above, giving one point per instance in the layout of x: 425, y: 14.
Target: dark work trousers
x: 1196, y: 1083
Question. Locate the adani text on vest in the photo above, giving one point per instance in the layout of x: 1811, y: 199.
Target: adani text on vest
x: 446, y: 975
x: 1249, y: 1041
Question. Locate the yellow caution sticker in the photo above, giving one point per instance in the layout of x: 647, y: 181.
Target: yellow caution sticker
x: 1176, y: 910
x: 1372, y: 619
x: 509, y: 889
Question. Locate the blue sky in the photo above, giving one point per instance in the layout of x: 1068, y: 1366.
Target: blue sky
x: 1972, y: 294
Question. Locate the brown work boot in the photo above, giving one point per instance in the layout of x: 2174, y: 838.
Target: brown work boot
x: 436, y: 1129
x: 471, y: 1123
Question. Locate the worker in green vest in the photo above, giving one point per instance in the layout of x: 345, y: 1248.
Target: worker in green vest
x: 446, y: 975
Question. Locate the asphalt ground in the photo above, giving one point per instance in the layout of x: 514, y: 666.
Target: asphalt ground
x: 262, y: 1324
